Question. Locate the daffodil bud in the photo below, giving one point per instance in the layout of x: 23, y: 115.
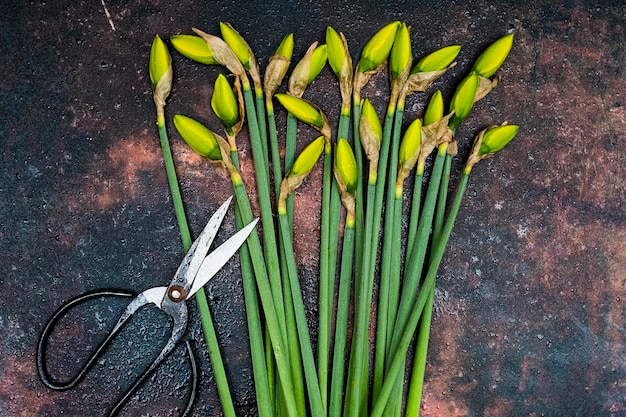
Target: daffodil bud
x: 222, y: 53
x: 493, y: 57
x: 340, y: 61
x: 371, y: 133
x: 306, y: 112
x: 490, y: 141
x: 401, y: 54
x: 198, y: 137
x: 224, y: 103
x: 431, y: 67
x: 307, y: 69
x: 242, y: 50
x: 408, y: 153
x: 278, y: 65
x: 377, y: 49
x: 194, y: 48
x: 463, y: 100
x: 438, y: 60
x: 346, y: 175
x: 161, y: 74
x: 434, y: 110
x: 300, y: 169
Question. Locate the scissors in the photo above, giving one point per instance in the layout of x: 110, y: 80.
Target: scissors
x: 196, y: 269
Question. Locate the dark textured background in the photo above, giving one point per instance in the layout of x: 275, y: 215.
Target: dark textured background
x: 530, y: 311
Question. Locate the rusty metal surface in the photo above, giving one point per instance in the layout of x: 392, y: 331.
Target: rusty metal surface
x: 529, y: 315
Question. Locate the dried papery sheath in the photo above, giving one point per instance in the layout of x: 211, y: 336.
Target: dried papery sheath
x: 194, y: 48
x: 301, y: 167
x: 242, y: 50
x: 307, y: 69
x: 278, y: 66
x: 223, y: 54
x: 161, y: 74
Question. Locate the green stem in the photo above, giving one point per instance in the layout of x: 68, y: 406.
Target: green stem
x: 341, y: 326
x: 306, y: 350
x: 399, y: 355
x: 290, y: 156
x: 210, y: 334
x: 260, y: 115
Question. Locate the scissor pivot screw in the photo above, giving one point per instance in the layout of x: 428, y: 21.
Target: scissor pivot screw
x: 176, y: 293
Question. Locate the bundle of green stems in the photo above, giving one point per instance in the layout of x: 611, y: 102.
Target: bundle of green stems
x: 364, y: 171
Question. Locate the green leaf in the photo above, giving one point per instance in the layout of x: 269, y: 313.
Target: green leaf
x: 198, y: 137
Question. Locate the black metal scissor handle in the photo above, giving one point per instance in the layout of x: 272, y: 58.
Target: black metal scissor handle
x: 53, y: 384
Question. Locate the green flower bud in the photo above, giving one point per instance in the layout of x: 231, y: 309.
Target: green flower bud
x: 496, y: 138
x: 194, y: 48
x: 224, y: 102
x: 409, y: 148
x: 337, y: 51
x: 369, y: 116
x: 463, y: 99
x: 401, y: 53
x: 488, y: 142
x: 438, y: 60
x: 198, y: 137
x: 492, y: 59
x: 307, y: 69
x: 301, y: 109
x: 160, y: 61
x: 237, y: 44
x: 370, y: 134
x: 278, y: 65
x: 434, y: 110
x: 301, y: 167
x: 345, y: 165
x: 307, y: 159
x: 377, y: 49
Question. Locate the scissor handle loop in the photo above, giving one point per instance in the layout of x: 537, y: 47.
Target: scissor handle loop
x: 42, y: 343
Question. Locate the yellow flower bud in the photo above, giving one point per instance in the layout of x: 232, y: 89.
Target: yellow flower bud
x: 278, y: 65
x: 237, y: 44
x: 160, y: 61
x: 194, y: 48
x: 438, y: 60
x: 434, y: 110
x: 370, y: 117
x: 198, y: 137
x: 307, y: 69
x: 285, y: 49
x: 377, y: 49
x: 345, y: 165
x: 463, y: 99
x: 401, y: 53
x: 336, y: 51
x: 318, y: 60
x: 496, y: 138
x: 307, y: 159
x: 492, y: 59
x: 409, y: 148
x: 301, y: 109
x: 224, y: 102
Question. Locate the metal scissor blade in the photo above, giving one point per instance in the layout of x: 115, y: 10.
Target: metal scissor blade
x: 188, y: 268
x: 218, y: 258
